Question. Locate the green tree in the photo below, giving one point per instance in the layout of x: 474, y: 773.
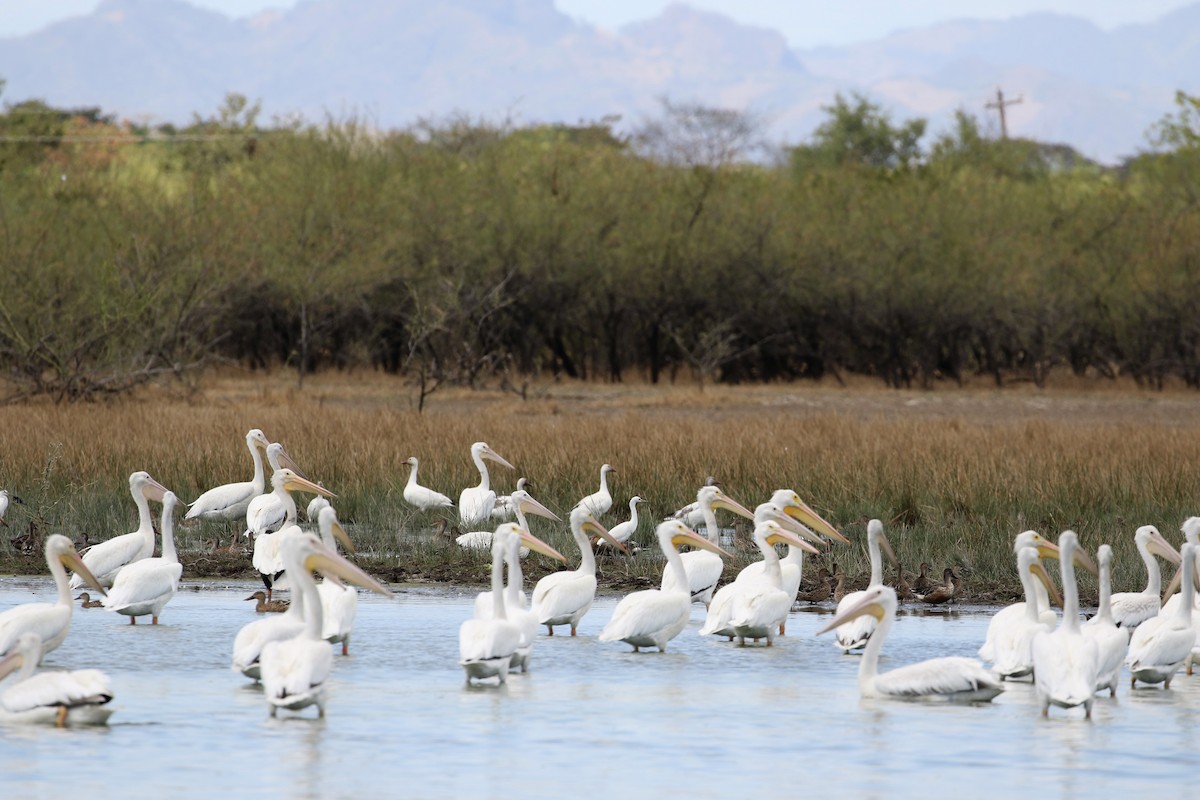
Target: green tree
x: 859, y: 132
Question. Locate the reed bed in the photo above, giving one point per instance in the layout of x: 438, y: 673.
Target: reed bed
x: 954, y: 475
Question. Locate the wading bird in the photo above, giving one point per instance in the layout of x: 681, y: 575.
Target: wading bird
x: 1066, y: 664
x: 50, y: 621
x: 703, y: 567
x: 653, y: 617
x: 79, y: 697
x: 262, y: 605
x: 268, y: 514
x: 1130, y: 609
x: 146, y: 586
x: 944, y: 592
x: 1012, y: 639
x: 88, y: 602
x: 229, y: 502
x: 623, y: 532
x: 421, y: 497
x: 1112, y: 643
x: 1161, y: 644
x: 339, y: 603
x: 475, y: 504
x: 856, y: 632
x: 562, y: 598
x: 503, y: 510
x: 106, y: 558
x: 4, y: 498
x: 599, y: 502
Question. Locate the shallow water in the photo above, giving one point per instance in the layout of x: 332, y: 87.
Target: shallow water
x: 707, y: 719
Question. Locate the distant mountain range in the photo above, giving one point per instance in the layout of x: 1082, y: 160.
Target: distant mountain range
x: 396, y: 61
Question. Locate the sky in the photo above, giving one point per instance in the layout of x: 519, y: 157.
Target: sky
x: 805, y: 23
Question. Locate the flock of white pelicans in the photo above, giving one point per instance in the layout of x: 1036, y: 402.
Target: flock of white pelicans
x: 1068, y: 660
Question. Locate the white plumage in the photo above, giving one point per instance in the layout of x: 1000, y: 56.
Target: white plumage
x: 78, y: 697
x: 952, y: 679
x: 486, y: 646
x: 623, y: 532
x: 146, y: 586
x: 250, y: 640
x: 1130, y: 609
x: 107, y: 557
x: 50, y: 621
x: 599, y: 502
x: 475, y: 503
x: 703, y: 568
x: 857, y: 631
x: 422, y: 497
x: 229, y: 502
x: 1066, y: 664
x: 4, y: 500
x: 339, y: 604
x: 1010, y: 614
x: 562, y: 598
x: 1012, y: 640
x: 1112, y: 643
x: 268, y: 514
x: 503, y: 510
x: 1161, y: 644
x: 653, y: 617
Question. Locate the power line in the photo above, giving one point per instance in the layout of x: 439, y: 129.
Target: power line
x: 999, y: 104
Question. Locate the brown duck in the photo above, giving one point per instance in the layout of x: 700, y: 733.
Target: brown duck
x: 903, y: 590
x: 946, y: 591
x: 819, y: 593
x: 264, y: 605
x: 922, y: 584
x: 88, y: 602
x: 839, y: 584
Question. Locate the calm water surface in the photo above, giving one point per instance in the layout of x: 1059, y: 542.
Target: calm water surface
x: 707, y: 719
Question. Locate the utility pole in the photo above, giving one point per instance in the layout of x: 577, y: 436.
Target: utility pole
x: 999, y: 104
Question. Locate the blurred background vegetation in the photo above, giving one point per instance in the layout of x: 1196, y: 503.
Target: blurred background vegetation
x: 464, y: 252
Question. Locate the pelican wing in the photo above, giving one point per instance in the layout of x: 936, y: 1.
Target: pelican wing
x: 1159, y: 641
x: 294, y: 670
x: 703, y: 571
x: 945, y: 677
x: 1012, y: 653
x: 475, y: 540
x: 105, y: 558
x: 475, y: 505
x: 1111, y: 644
x: 252, y: 638
x: 339, y: 607
x: 228, y: 502
x: 646, y: 613
x: 719, y: 611
x: 144, y: 582
x: 485, y: 639
x: 1065, y: 667
x: 267, y: 558
x: 855, y: 633
x: 561, y: 594
x: 759, y: 604
x: 47, y: 620
x: 45, y: 689
x: 266, y: 514
x: 1131, y: 609
x: 483, y: 605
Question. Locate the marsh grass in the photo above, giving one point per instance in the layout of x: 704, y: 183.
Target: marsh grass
x: 953, y: 475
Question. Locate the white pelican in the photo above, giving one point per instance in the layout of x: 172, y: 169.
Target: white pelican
x: 294, y: 670
x: 756, y: 606
x: 522, y: 504
x: 269, y: 513
x: 691, y: 515
x: 562, y: 598
x: 229, y: 502
x: 314, y: 508
x: 1013, y: 613
x: 953, y: 679
x: 703, y: 569
x: 858, y: 629
x: 475, y: 504
x: 1011, y: 641
x: 4, y: 498
x: 419, y: 496
x: 339, y: 603
x: 622, y: 532
x: 1191, y: 530
x: 249, y: 642
x: 145, y: 586
x: 492, y: 644
x: 1161, y: 644
x: 1111, y: 642
x: 503, y: 510
x: 50, y: 621
x: 601, y: 501
x: 1130, y: 609
x: 107, y: 557
x: 79, y: 696
x: 653, y: 617
x: 1066, y: 664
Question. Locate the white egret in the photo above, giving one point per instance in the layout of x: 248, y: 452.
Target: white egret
x: 475, y: 504
x: 1111, y: 642
x: 855, y: 633
x: 50, y: 621
x: 653, y: 617
x: 953, y: 678
x: 703, y: 567
x: 421, y: 497
x: 77, y: 697
x: 601, y: 501
x: 294, y: 670
x: 106, y: 558
x: 562, y: 598
x: 1066, y: 664
x: 229, y: 502
x: 146, y: 586
x: 1161, y: 644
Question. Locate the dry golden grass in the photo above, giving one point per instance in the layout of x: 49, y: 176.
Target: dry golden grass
x: 954, y: 474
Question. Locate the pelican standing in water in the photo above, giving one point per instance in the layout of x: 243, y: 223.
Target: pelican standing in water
x: 294, y: 670
x: 107, y: 557
x: 475, y: 504
x: 229, y: 502
x: 50, y: 621
x: 1161, y: 644
x: 146, y: 586
x: 339, y: 603
x: 250, y: 640
x: 78, y: 697
x: 754, y: 608
x: 1111, y: 642
x: 487, y: 646
x: 1013, y: 613
x: 1066, y: 664
x: 601, y: 501
x: 953, y: 679
x: 703, y: 568
x: 1191, y: 531
x: 858, y: 629
x: 1012, y: 640
x: 269, y: 513
x: 653, y: 617
x: 1130, y: 609
x: 421, y: 497
x: 562, y: 598
x: 522, y: 504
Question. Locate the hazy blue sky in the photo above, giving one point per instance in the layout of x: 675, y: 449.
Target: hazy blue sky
x: 806, y: 23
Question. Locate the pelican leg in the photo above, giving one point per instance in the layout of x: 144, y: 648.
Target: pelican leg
x: 133, y: 620
x: 1087, y: 710
x: 549, y: 630
x: 153, y: 619
x: 273, y: 711
x: 741, y: 641
x: 60, y: 719
x: 1167, y: 683
x: 572, y: 629
x: 783, y: 629
x: 635, y: 648
x: 345, y: 647
x: 731, y: 638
